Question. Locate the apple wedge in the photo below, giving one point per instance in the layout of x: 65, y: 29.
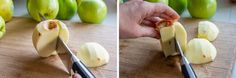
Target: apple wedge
x: 93, y: 54
x: 200, y: 51
x: 181, y: 35
x: 207, y: 30
x: 168, y: 33
x: 45, y: 36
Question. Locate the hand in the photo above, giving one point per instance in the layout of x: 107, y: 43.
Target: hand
x: 135, y: 13
x: 76, y: 76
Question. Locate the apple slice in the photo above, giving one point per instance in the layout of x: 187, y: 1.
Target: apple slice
x: 181, y: 35
x: 207, y: 30
x: 45, y: 36
x: 168, y: 33
x: 200, y: 51
x: 93, y: 54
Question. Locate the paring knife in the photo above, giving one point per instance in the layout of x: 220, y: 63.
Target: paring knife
x: 186, y: 67
x: 69, y: 59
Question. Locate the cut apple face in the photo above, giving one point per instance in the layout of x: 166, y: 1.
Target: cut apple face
x: 207, y: 30
x: 168, y: 34
x: 45, y: 36
x: 200, y: 51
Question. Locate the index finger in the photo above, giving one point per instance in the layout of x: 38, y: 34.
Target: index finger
x: 165, y: 12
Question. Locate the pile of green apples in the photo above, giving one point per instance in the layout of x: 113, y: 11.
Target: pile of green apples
x: 89, y: 11
x: 203, y: 9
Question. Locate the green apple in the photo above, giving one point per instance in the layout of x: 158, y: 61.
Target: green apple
x: 121, y: 1
x: 67, y: 9
x: 92, y: 11
x: 48, y: 8
x: 2, y: 27
x: 162, y: 1
x: 202, y: 8
x: 6, y: 9
x: 178, y: 5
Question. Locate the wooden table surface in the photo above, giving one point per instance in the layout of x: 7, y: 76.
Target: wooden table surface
x: 19, y: 59
x: 144, y: 58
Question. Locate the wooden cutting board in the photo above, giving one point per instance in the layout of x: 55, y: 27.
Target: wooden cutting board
x: 143, y: 57
x: 19, y: 59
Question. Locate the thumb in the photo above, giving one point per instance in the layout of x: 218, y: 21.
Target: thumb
x: 146, y: 31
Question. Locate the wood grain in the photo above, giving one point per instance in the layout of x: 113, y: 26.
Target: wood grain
x: 143, y: 57
x: 19, y: 59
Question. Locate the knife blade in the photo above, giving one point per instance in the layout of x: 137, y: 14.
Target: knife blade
x: 69, y: 59
x: 41, y: 17
x: 186, y: 67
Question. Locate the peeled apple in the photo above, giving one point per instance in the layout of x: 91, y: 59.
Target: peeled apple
x: 200, y: 51
x: 48, y: 8
x: 6, y: 9
x: 207, y: 30
x: 45, y: 36
x: 2, y: 27
x: 93, y: 54
x: 168, y: 33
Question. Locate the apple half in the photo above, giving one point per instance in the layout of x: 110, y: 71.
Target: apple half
x: 45, y: 36
x: 168, y: 33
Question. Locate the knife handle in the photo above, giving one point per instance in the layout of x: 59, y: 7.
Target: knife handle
x: 81, y: 69
x: 188, y: 71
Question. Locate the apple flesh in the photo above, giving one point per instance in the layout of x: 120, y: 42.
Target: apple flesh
x: 6, y: 9
x: 67, y: 9
x: 45, y: 36
x: 202, y: 8
x: 2, y: 27
x: 167, y: 40
x: 93, y: 54
x: 168, y: 34
x: 92, y: 11
x: 200, y: 51
x: 48, y: 8
x: 207, y: 30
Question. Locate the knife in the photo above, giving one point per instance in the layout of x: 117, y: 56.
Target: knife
x: 69, y: 58
x: 186, y: 67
